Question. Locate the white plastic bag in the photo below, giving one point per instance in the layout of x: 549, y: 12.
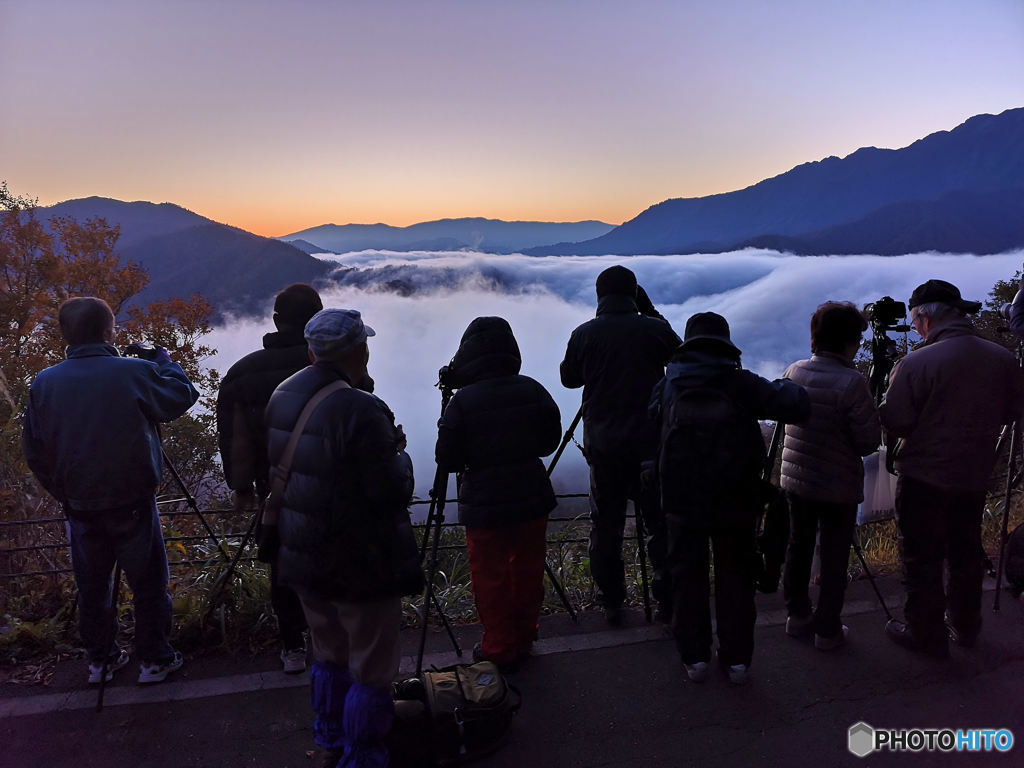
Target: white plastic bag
x: 879, y: 491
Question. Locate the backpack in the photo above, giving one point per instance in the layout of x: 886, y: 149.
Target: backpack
x: 707, y: 450
x: 457, y: 713
x: 1014, y: 569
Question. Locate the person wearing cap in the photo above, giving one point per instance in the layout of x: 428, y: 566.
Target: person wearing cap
x: 346, y: 541
x: 709, y: 470
x: 823, y: 472
x: 942, y: 414
x: 617, y: 357
x: 243, y: 396
x: 492, y: 434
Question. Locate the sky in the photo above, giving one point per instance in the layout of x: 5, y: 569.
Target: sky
x: 279, y: 116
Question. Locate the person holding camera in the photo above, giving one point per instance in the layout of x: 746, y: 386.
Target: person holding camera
x: 91, y: 438
x: 346, y: 542
x: 242, y: 398
x: 493, y: 433
x: 709, y: 464
x: 942, y: 414
x: 823, y: 473
x: 617, y: 357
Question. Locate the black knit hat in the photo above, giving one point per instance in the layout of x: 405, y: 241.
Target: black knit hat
x: 708, y: 326
x: 295, y: 305
x: 616, y: 280
x: 944, y: 293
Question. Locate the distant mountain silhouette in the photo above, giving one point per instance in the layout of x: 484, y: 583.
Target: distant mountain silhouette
x: 185, y: 253
x: 307, y: 247
x: 985, y: 153
x: 489, y: 235
x: 959, y: 222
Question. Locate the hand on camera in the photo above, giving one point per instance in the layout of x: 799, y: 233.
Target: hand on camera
x: 402, y: 441
x: 153, y: 354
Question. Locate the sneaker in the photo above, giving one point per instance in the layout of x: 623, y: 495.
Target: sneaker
x: 963, y: 639
x: 157, y: 673
x: 823, y: 643
x: 294, y: 661
x: 738, y: 674
x: 902, y: 635
x: 799, y: 626
x: 697, y: 672
x: 114, y: 664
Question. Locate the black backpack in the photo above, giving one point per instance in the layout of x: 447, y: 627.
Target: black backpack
x: 710, y: 447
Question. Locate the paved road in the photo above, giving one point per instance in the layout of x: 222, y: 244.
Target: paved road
x: 592, y: 697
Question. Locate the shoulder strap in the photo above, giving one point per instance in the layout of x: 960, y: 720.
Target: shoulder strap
x: 280, y: 473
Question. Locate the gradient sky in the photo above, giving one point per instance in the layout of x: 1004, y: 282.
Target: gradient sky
x: 276, y: 116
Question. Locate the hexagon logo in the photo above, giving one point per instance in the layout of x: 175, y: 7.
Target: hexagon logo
x: 861, y: 739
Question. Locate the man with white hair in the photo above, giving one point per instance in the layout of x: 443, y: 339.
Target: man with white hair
x: 346, y: 542
x: 942, y: 414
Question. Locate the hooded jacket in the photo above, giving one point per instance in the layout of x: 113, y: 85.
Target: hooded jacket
x: 821, y: 458
x: 617, y: 358
x: 757, y: 398
x: 495, y: 429
x: 243, y: 396
x: 90, y: 429
x: 946, y: 402
x: 344, y: 523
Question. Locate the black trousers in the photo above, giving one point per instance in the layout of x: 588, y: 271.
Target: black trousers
x: 836, y: 523
x: 613, y: 481
x: 291, y: 620
x: 734, y: 561
x: 940, y: 526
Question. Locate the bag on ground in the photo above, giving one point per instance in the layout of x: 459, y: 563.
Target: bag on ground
x: 467, y: 710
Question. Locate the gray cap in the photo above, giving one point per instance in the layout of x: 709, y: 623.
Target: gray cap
x: 331, y: 332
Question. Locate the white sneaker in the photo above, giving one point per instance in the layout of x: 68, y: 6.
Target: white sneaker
x: 738, y: 674
x: 157, y: 673
x: 96, y: 670
x: 698, y: 672
x: 294, y: 661
x: 799, y: 626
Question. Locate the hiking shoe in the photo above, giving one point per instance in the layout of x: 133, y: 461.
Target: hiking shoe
x: 114, y: 664
x: 293, y: 661
x: 697, y: 672
x: 838, y: 640
x: 738, y: 674
x: 963, y: 639
x: 901, y: 634
x: 506, y: 668
x: 613, y: 616
x: 157, y: 673
x: 799, y: 626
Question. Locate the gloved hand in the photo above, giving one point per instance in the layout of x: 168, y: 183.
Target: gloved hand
x: 148, y: 352
x: 268, y: 542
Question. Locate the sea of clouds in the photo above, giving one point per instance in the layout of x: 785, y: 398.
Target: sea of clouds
x: 420, y: 303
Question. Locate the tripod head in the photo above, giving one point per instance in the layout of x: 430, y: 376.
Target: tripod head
x: 446, y: 383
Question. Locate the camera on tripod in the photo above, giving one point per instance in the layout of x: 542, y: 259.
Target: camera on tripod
x: 144, y: 351
x: 885, y: 314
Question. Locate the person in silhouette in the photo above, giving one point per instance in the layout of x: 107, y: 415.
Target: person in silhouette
x: 617, y: 357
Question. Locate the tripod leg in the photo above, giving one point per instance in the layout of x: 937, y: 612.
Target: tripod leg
x: 871, y: 578
x: 115, y: 592
x: 218, y: 585
x: 560, y: 590
x: 195, y: 507
x: 1010, y: 469
x: 641, y: 546
x: 565, y: 440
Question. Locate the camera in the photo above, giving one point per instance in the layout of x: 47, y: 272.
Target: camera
x: 144, y: 351
x: 886, y: 312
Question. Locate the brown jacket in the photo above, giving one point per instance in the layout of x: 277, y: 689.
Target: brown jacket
x: 946, y: 402
x: 821, y: 458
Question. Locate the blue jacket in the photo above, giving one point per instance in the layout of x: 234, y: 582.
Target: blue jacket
x: 90, y: 429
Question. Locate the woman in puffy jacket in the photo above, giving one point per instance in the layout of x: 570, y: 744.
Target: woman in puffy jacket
x: 492, y: 434
x: 822, y: 471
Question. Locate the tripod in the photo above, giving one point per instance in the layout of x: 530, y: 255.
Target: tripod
x: 1012, y: 434
x: 641, y: 532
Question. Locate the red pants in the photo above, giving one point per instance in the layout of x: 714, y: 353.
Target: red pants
x: 507, y: 567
